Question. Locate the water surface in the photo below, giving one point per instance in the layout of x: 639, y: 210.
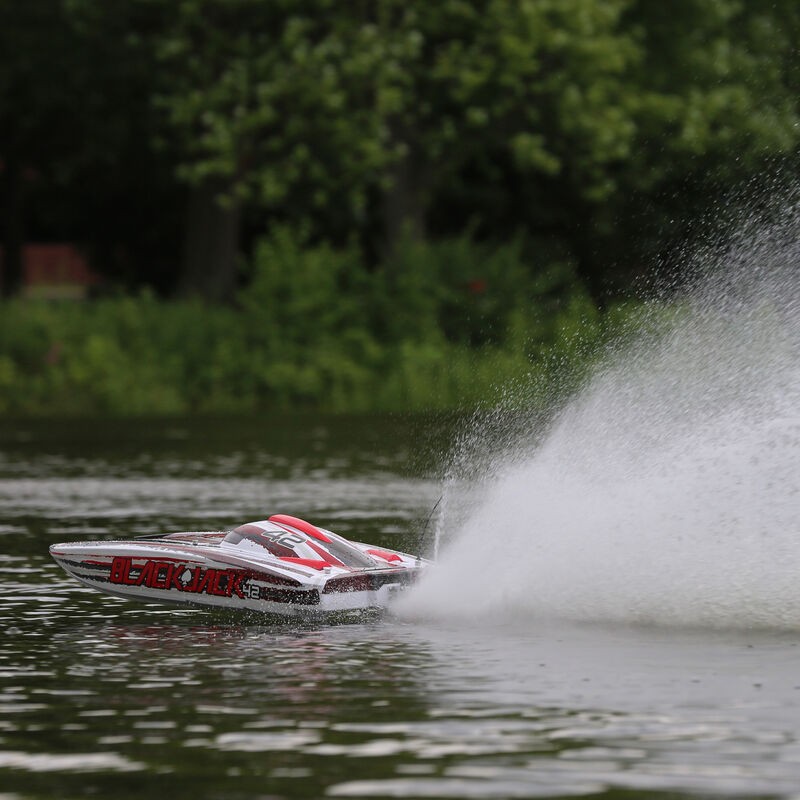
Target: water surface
x: 100, y: 697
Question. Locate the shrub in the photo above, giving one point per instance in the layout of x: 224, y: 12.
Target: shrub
x: 440, y: 326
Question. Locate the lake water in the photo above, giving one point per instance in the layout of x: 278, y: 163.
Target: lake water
x: 104, y: 698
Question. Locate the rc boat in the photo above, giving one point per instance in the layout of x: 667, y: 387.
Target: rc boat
x: 282, y: 565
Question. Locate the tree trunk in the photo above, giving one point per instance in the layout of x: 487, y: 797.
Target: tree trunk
x: 13, y: 228
x: 404, y: 205
x: 211, y: 245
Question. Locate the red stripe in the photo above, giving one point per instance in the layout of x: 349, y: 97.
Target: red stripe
x: 299, y: 524
x: 384, y: 555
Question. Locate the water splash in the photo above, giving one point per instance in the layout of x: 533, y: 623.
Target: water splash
x: 668, y: 490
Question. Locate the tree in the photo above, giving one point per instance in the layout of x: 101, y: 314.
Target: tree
x: 714, y: 99
x: 511, y: 114
x: 273, y: 105
x: 593, y: 126
x: 310, y: 109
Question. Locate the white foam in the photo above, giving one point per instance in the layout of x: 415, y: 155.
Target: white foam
x: 668, y: 490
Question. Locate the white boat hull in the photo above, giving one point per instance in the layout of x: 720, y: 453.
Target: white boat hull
x: 232, y: 570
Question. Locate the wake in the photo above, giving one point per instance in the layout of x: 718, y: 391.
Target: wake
x: 668, y: 490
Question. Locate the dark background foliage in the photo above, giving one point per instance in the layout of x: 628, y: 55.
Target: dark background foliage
x: 466, y: 168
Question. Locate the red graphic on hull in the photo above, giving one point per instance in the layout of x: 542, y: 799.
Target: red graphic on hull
x: 179, y: 576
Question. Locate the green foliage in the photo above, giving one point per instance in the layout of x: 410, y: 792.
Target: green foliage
x: 473, y: 294
x: 313, y: 329
x: 568, y: 137
x: 305, y: 327
x: 565, y: 117
x: 602, y: 123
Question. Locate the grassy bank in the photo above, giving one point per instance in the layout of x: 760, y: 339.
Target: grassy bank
x: 443, y: 328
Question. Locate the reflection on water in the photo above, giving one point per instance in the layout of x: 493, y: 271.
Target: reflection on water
x: 99, y: 697
x: 391, y: 709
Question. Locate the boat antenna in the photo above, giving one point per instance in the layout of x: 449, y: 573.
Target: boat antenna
x: 421, y: 541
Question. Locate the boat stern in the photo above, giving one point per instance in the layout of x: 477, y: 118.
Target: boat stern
x: 367, y: 589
